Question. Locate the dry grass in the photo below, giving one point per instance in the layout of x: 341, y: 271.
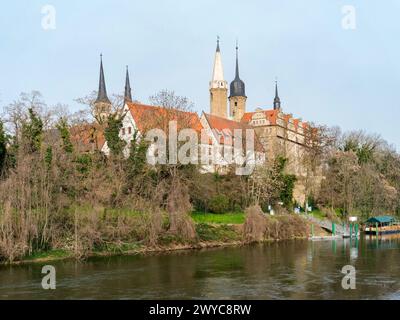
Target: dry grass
x: 259, y: 227
x: 255, y: 224
x: 178, y: 207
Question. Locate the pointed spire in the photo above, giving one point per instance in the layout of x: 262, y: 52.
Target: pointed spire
x: 217, y: 80
x: 237, y: 87
x: 277, y: 101
x: 102, y: 94
x: 237, y: 61
x: 128, y: 91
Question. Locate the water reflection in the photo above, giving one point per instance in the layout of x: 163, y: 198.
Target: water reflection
x: 280, y: 270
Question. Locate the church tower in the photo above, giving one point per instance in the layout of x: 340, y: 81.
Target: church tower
x: 102, y: 105
x: 218, y: 87
x: 128, y: 90
x: 237, y: 97
x: 277, y: 101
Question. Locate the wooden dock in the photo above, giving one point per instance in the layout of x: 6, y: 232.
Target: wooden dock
x: 328, y: 226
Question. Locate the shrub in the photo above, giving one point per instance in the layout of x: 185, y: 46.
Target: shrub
x: 219, y: 204
x: 255, y: 224
x: 330, y: 214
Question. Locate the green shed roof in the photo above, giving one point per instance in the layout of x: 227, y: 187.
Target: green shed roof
x: 381, y: 219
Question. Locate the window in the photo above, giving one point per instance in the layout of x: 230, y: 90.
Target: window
x: 235, y: 104
x: 129, y: 130
x: 123, y: 131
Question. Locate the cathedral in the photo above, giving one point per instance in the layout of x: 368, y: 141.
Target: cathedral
x: 277, y: 133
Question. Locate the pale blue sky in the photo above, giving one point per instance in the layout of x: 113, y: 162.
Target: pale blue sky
x: 326, y: 74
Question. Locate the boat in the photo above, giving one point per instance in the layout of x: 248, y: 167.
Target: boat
x: 381, y: 225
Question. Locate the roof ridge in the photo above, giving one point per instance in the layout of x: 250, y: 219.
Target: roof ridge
x: 158, y: 107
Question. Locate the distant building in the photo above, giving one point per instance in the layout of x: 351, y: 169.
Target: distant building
x: 276, y: 133
x: 102, y: 105
x: 280, y: 134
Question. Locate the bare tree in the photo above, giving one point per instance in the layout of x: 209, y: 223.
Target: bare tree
x: 169, y: 100
x: 116, y: 107
x: 264, y: 184
x: 174, y: 180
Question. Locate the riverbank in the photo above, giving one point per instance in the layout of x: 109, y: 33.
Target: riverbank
x: 56, y: 255
x: 209, y: 235
x: 297, y: 269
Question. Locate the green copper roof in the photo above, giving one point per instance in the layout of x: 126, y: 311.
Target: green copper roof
x: 381, y: 219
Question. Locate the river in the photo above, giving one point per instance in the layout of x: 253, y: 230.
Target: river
x: 298, y: 269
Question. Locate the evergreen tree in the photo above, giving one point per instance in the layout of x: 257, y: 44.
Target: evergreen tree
x: 63, y: 128
x: 111, y: 133
x: 32, y: 132
x: 137, y: 155
x: 288, y: 180
x: 136, y: 164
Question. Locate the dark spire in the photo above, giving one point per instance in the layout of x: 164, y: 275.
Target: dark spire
x: 237, y: 87
x: 218, y: 44
x: 128, y: 91
x: 102, y: 94
x: 277, y: 101
x: 237, y: 62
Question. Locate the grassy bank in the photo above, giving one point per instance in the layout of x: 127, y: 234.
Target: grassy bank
x: 224, y: 218
x: 212, y: 230
x: 208, y: 235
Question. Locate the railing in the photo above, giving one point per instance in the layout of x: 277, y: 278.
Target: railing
x: 336, y: 229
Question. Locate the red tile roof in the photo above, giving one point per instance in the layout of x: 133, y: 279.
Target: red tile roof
x: 271, y: 115
x: 296, y: 123
x: 150, y: 117
x: 87, y: 137
x: 224, y: 129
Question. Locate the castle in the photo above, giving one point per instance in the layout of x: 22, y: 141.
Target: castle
x: 278, y: 133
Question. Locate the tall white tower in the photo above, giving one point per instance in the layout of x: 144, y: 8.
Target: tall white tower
x: 218, y: 87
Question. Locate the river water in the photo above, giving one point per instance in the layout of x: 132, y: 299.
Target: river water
x: 280, y: 270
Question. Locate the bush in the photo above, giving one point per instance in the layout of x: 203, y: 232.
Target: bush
x: 291, y: 226
x: 255, y: 224
x: 219, y: 204
x: 330, y: 214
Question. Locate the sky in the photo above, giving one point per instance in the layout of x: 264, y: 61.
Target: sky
x: 330, y: 71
